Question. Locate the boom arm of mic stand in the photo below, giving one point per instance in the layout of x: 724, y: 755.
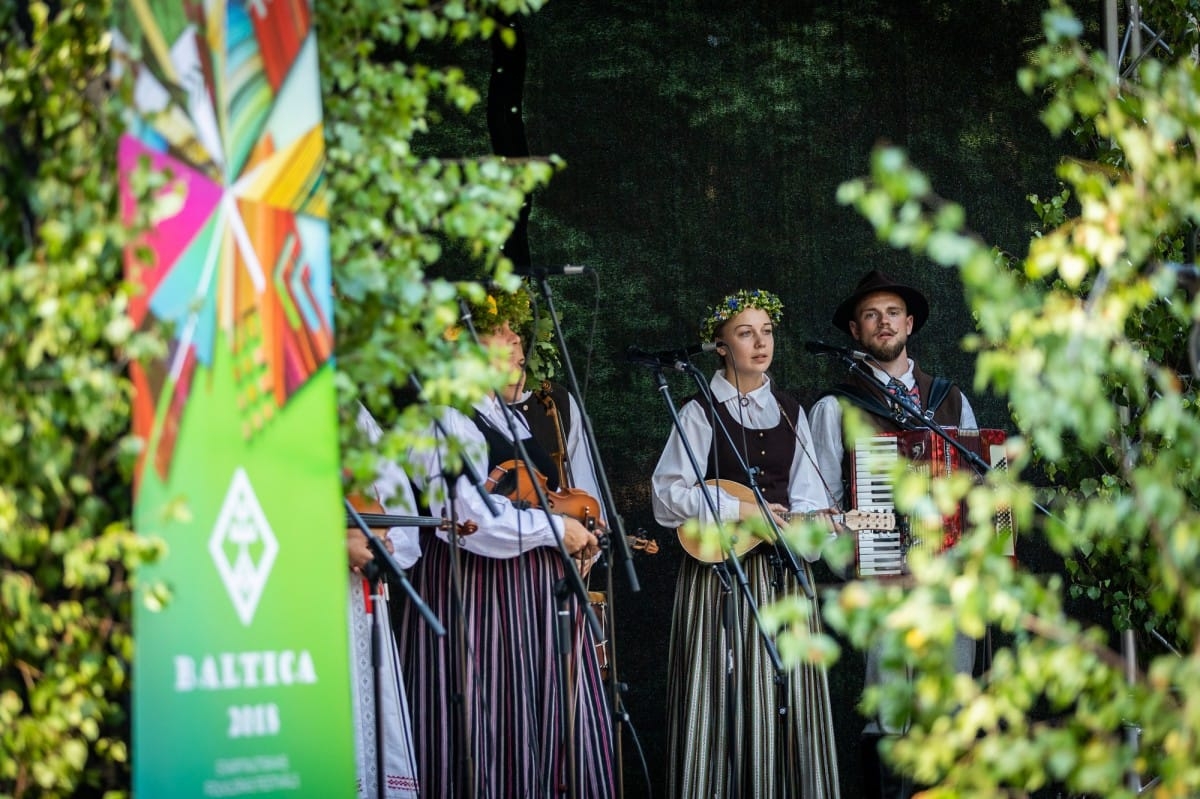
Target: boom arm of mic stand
x: 780, y: 544
x: 981, y: 466
x: 468, y: 468
x: 731, y: 558
x: 615, y: 525
x: 385, y: 561
x: 905, y: 403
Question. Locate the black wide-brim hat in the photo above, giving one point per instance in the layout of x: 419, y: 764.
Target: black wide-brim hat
x: 873, y: 281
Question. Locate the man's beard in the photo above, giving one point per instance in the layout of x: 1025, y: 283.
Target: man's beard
x: 886, y: 353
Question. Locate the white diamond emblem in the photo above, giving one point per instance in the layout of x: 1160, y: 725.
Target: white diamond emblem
x: 243, y: 546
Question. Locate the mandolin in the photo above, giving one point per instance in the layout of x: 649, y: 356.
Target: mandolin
x: 853, y: 519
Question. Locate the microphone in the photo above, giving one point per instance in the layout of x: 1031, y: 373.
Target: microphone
x: 821, y: 348
x: 525, y: 270
x: 670, y: 359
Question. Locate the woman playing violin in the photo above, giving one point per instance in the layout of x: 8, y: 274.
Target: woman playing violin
x: 507, y: 671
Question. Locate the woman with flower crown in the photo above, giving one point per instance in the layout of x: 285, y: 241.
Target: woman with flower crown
x: 733, y: 729
x: 487, y: 711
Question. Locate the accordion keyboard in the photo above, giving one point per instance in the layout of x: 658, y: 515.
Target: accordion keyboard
x: 884, y: 553
x: 879, y: 553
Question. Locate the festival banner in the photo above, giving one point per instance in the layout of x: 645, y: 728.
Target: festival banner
x: 241, y: 682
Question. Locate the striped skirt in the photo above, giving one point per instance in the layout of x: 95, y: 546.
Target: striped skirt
x: 771, y: 754
x: 499, y: 655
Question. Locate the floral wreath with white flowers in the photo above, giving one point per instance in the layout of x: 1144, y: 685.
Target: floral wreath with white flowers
x: 734, y: 304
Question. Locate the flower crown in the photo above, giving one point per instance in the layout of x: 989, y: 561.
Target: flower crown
x: 734, y: 304
x: 498, y: 308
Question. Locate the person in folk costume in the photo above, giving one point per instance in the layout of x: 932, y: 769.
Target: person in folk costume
x: 392, y: 491
x: 788, y: 754
x: 487, y: 713
x: 553, y: 418
x: 880, y: 315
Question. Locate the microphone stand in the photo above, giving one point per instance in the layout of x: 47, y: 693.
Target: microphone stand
x: 617, y: 532
x: 909, y: 410
x: 459, y: 642
x: 616, y: 535
x: 455, y: 561
x: 390, y: 565
x: 571, y: 583
x: 903, y: 402
x: 783, y: 552
x: 465, y: 714
x: 781, y: 545
x: 374, y: 572
x: 722, y: 570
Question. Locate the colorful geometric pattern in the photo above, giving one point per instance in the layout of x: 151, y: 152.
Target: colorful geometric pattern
x: 228, y: 106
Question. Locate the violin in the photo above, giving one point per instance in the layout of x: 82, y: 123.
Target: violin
x: 516, y: 481
x: 375, y: 516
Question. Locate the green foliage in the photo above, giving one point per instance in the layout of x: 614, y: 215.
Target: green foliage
x: 66, y: 548
x: 1083, y: 337
x: 67, y: 552
x: 402, y: 223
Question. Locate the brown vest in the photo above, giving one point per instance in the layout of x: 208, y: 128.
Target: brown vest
x: 771, y: 451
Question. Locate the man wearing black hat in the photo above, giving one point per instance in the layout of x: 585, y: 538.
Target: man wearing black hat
x: 880, y: 316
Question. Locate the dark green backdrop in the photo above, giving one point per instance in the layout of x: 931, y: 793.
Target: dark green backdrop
x: 705, y: 142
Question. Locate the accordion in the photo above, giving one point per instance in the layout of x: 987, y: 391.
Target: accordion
x: 884, y: 553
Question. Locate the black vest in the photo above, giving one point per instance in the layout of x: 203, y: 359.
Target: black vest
x: 501, y: 449
x: 541, y: 423
x: 770, y: 450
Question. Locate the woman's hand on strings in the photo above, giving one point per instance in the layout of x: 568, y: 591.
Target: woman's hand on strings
x: 831, y: 519
x: 780, y: 513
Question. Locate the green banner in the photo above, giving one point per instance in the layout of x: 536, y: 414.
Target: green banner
x: 242, y: 681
